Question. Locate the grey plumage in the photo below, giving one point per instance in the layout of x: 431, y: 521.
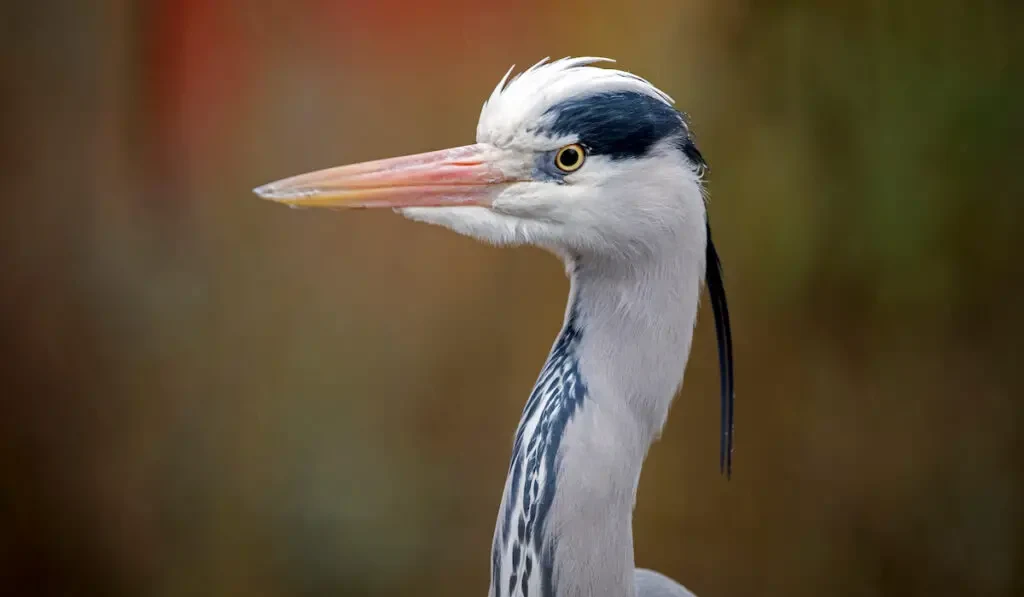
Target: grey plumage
x: 617, y: 363
x: 653, y: 584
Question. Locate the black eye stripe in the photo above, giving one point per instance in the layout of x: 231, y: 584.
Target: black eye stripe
x: 618, y: 124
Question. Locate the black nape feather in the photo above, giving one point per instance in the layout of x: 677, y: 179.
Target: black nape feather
x: 689, y: 149
x: 716, y: 290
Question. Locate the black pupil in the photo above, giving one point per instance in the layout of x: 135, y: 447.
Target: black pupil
x: 569, y: 157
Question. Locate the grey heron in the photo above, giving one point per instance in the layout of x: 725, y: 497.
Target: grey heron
x: 597, y: 166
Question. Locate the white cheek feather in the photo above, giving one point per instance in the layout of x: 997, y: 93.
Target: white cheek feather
x: 630, y: 207
x: 481, y: 223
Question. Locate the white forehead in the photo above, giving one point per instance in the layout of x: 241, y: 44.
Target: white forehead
x: 518, y: 106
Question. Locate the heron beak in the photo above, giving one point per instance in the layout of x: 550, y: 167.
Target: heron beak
x: 464, y: 175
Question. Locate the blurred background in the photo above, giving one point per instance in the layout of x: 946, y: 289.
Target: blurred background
x: 209, y: 394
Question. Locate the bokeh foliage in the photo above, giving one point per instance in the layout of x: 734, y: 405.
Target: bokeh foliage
x: 208, y: 394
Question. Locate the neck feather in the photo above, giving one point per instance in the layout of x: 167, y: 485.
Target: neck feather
x: 565, y: 523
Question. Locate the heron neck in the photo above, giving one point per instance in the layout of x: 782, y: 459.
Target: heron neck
x: 601, y: 400
x: 637, y: 319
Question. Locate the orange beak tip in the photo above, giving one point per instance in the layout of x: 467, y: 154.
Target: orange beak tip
x: 272, y: 193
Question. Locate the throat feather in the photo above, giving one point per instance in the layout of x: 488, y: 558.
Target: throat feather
x: 521, y: 557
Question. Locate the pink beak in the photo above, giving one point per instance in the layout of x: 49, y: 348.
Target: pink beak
x: 459, y: 176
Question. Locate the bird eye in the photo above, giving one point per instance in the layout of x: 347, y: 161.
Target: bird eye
x: 570, y: 157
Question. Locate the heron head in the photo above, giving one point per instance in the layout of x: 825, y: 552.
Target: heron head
x: 568, y: 156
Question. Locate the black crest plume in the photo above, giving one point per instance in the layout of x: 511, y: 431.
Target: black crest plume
x: 716, y: 290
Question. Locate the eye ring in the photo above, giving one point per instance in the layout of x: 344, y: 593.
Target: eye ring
x: 570, y: 158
